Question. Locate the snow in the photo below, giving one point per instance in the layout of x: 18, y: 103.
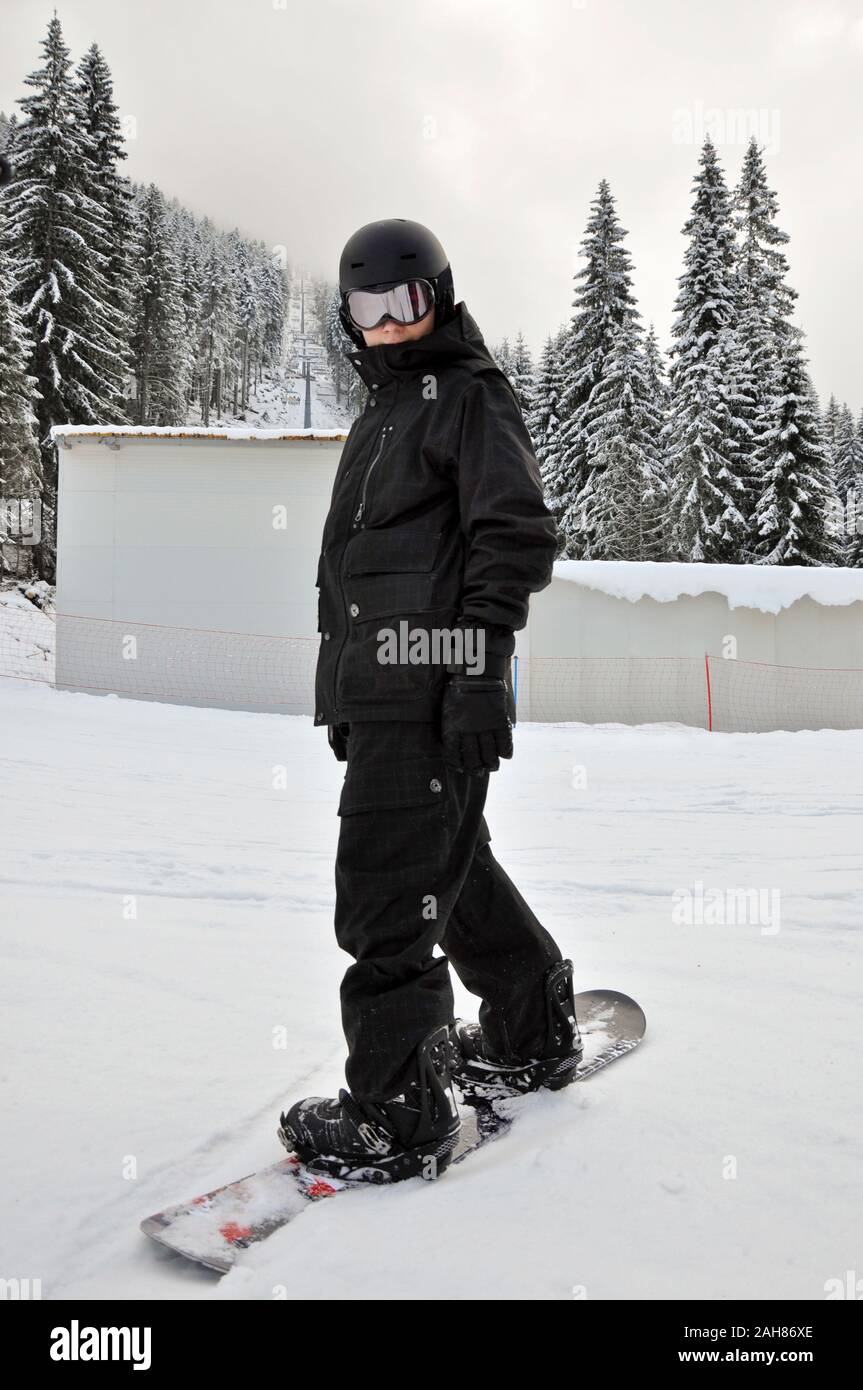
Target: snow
x: 766, y: 587
x: 26, y: 637
x: 142, y: 1063
x: 71, y: 432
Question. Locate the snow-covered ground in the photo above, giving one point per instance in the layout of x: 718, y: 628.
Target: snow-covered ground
x: 166, y: 912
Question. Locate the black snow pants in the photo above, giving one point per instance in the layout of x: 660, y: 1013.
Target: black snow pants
x: 418, y: 888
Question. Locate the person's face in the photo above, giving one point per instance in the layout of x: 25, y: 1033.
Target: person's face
x: 391, y: 332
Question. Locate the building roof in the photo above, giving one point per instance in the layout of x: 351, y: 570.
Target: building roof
x: 66, y: 433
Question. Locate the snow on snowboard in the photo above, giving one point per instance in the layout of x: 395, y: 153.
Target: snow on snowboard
x: 212, y: 1229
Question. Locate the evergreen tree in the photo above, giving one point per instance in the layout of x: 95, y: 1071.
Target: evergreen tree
x: 20, y: 461
x: 794, y: 512
x: 59, y: 241
x: 521, y: 374
x: 602, y: 302
x: 160, y: 355
x: 273, y: 291
x: 543, y: 415
x: 745, y: 425
x: 831, y: 425
x: 248, y: 323
x: 216, y: 328
x: 502, y: 354
x: 625, y: 496
x: 848, y: 476
x: 701, y: 438
x: 657, y: 385
x: 657, y: 376
x: 111, y: 190
x: 188, y: 247
x: 348, y: 384
x: 854, y: 533
x: 765, y: 304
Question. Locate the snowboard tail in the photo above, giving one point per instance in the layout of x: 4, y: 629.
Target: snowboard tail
x: 214, y: 1228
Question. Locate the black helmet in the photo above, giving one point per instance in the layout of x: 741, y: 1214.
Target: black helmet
x: 383, y: 254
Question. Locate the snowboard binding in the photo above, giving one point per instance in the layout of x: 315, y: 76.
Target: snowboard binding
x: 480, y: 1076
x: 412, y: 1134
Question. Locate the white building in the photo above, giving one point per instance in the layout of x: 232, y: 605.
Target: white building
x: 186, y: 567
x: 186, y: 563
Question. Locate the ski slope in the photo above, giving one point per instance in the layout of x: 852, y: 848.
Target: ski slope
x: 167, y: 923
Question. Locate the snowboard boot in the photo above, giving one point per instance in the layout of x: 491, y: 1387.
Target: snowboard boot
x: 382, y: 1141
x: 479, y: 1075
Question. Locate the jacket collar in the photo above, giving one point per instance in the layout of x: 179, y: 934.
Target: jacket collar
x: 454, y: 341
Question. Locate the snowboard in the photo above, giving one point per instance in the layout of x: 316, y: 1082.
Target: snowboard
x: 214, y: 1228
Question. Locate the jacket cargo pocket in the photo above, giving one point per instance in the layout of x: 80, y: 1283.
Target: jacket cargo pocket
x: 390, y: 572
x: 375, y: 664
x: 395, y: 825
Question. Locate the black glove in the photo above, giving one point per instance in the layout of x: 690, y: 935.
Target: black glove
x: 478, y: 711
x: 338, y: 741
x: 475, y: 725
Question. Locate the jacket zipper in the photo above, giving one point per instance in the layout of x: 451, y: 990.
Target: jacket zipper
x: 362, y: 505
x: 356, y: 523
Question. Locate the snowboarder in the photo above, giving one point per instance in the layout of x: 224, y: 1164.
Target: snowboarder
x: 437, y: 527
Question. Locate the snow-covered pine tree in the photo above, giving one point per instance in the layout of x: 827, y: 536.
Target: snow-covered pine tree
x: 657, y: 385
x: 188, y: 247
x: 111, y: 190
x: 847, y: 475
x: 59, y: 240
x: 349, y: 385
x: 700, y: 437
x: 744, y: 428
x: 543, y: 416
x: 160, y: 357
x: 765, y: 305
x: 795, y: 510
x: 248, y: 331
x: 216, y: 327
x: 8, y: 131
x: 20, y: 460
x: 624, y: 496
x: 655, y: 367
x: 502, y: 354
x: 273, y: 291
x: 602, y: 301
x: 831, y: 424
x: 854, y: 549
x: 521, y: 373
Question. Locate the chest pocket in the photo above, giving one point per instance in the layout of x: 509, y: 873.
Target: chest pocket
x: 388, y: 572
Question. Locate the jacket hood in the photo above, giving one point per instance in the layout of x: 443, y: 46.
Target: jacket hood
x: 453, y: 342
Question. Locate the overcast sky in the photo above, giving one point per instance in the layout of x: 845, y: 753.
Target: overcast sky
x: 492, y: 121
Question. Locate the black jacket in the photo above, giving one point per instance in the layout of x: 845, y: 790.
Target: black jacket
x: 436, y: 517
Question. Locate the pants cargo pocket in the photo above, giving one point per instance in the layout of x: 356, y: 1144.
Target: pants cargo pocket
x: 395, y: 831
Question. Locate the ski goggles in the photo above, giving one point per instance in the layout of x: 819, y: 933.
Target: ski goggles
x: 406, y: 303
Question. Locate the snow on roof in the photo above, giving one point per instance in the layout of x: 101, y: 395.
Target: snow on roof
x: 68, y: 432
x: 766, y: 587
